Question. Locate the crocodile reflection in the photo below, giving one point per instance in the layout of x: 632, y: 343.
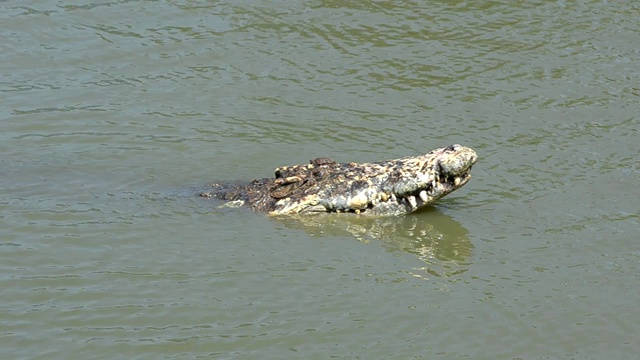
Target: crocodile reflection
x: 434, y: 238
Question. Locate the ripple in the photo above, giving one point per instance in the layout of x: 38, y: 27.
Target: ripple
x: 115, y: 111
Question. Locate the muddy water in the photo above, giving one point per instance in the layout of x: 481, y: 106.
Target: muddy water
x: 113, y: 113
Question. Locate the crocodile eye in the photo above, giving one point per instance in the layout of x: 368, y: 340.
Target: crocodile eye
x: 450, y: 148
x: 319, y: 173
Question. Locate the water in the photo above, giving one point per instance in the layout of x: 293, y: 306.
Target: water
x: 114, y: 113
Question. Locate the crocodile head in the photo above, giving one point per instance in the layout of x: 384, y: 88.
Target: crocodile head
x: 393, y: 187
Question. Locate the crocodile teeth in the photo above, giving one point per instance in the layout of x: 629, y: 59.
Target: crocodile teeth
x: 412, y: 201
x: 358, y: 202
x: 457, y: 181
x: 384, y: 197
x: 393, y: 197
x: 433, y: 184
x: 423, y: 196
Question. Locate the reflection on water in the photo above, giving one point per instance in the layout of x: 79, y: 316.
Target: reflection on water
x: 436, y: 239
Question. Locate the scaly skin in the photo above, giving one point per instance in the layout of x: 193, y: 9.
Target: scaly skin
x: 393, y: 187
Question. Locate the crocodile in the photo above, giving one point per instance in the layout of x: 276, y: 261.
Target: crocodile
x: 392, y: 187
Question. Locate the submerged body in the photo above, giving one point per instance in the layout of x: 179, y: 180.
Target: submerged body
x: 393, y: 187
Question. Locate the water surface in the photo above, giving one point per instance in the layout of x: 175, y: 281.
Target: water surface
x: 113, y: 114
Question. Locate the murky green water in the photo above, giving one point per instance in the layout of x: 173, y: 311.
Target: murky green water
x: 112, y: 113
